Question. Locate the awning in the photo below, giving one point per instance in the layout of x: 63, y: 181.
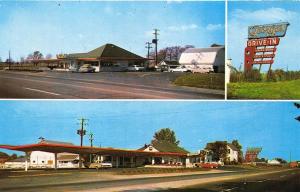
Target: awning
x: 60, y: 148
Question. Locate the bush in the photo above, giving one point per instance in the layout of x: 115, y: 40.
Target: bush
x: 256, y: 76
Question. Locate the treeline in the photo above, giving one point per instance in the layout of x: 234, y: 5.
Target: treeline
x: 256, y: 76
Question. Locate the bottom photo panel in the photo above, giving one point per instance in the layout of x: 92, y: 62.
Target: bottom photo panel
x: 54, y: 145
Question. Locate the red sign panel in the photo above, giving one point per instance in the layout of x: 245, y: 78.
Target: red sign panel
x: 263, y: 42
x: 264, y: 62
x: 264, y: 56
x: 265, y: 50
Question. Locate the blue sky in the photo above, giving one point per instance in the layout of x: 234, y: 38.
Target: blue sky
x: 246, y: 13
x: 67, y: 27
x: 131, y: 124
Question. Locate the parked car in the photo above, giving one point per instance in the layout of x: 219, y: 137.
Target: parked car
x: 180, y: 69
x: 98, y: 165
x: 86, y: 68
x: 135, y: 68
x: 209, y: 165
x: 206, y: 69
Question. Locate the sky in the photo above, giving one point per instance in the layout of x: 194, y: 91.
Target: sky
x: 131, y: 124
x: 70, y: 27
x: 247, y: 13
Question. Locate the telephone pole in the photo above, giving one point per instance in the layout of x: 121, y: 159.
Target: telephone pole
x: 9, y: 59
x: 82, y: 131
x: 155, y: 41
x: 91, y: 141
x: 148, y: 47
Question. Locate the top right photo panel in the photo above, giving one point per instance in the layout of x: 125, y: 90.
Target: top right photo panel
x: 262, y: 57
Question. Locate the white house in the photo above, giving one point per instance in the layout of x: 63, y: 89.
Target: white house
x: 166, y: 160
x: 41, y: 159
x: 273, y: 162
x: 212, y: 57
x: 232, y: 153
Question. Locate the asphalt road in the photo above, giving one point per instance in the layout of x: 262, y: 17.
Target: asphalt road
x: 86, y: 180
x: 275, y: 182
x: 105, y: 85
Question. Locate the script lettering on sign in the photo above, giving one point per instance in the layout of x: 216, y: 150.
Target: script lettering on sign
x: 270, y: 30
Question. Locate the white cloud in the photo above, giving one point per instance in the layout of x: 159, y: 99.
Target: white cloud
x: 238, y: 22
x: 214, y: 27
x: 182, y: 27
x: 264, y: 15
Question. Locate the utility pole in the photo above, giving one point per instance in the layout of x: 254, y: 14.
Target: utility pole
x: 81, y: 131
x: 148, y: 47
x: 91, y: 141
x: 9, y: 59
x: 155, y: 41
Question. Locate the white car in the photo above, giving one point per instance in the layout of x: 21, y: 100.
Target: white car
x: 135, y: 68
x: 86, y: 68
x: 97, y: 165
x: 180, y: 69
x: 207, y: 69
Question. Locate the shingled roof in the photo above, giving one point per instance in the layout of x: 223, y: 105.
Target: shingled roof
x: 106, y: 51
x: 164, y: 146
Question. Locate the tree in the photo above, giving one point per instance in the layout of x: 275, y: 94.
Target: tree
x: 219, y: 149
x: 167, y: 135
x: 297, y: 105
x: 35, y: 55
x: 170, y: 53
x: 239, y: 147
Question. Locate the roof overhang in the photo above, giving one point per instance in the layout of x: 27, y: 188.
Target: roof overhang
x: 60, y: 148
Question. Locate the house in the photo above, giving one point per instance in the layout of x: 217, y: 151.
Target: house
x: 232, y: 153
x: 274, y: 162
x: 166, y: 65
x: 164, y: 147
x: 42, y: 159
x: 212, y: 57
x: 108, y: 57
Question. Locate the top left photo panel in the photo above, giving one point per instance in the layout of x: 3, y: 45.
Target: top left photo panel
x: 112, y: 50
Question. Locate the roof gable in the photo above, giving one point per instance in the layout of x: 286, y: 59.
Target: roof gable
x: 107, y: 51
x: 164, y: 146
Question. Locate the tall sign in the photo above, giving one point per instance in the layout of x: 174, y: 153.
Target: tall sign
x: 262, y: 44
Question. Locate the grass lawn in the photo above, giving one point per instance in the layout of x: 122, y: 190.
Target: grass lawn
x: 210, y: 81
x: 266, y: 90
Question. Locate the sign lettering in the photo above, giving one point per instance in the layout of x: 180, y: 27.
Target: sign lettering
x: 263, y: 42
x: 270, y: 30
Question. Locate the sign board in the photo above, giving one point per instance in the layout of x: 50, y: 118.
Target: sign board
x: 270, y: 30
x: 263, y: 42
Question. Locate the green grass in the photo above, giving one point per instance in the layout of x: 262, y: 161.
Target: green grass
x: 266, y: 90
x: 210, y: 81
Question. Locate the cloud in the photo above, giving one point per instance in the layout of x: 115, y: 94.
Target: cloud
x: 264, y: 15
x: 183, y: 27
x: 214, y: 27
x: 238, y: 22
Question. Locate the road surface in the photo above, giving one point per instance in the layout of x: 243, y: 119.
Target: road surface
x: 106, y: 85
x: 258, y: 181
